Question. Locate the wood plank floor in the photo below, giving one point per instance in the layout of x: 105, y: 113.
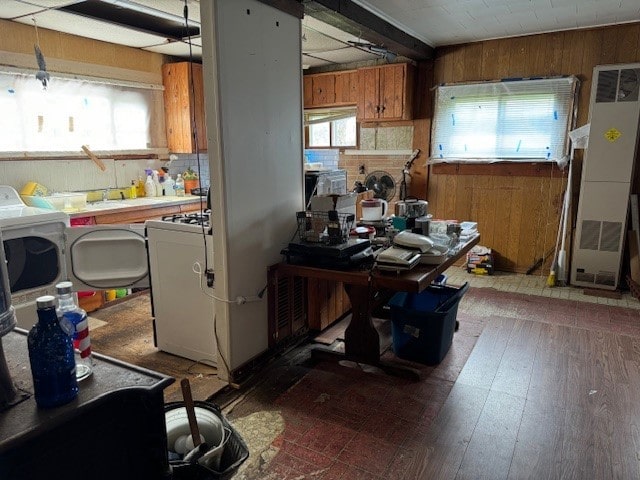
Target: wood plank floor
x: 539, y: 401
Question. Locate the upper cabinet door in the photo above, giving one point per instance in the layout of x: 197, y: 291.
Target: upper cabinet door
x: 330, y: 89
x: 369, y: 93
x: 184, y: 107
x: 110, y: 256
x: 386, y: 92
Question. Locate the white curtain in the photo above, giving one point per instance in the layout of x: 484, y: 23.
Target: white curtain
x: 71, y: 113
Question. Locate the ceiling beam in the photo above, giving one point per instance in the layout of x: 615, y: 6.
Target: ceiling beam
x: 292, y: 7
x: 360, y: 22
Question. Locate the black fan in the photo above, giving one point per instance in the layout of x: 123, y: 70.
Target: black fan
x: 382, y: 184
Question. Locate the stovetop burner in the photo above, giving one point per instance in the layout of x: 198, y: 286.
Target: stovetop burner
x: 197, y: 218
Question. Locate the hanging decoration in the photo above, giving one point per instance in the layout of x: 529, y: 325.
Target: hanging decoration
x: 42, y: 73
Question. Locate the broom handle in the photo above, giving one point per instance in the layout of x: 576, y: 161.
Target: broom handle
x: 191, y: 414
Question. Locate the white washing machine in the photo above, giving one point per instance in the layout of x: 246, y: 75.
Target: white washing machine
x: 42, y: 250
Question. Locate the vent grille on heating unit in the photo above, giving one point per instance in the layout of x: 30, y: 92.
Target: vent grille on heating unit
x: 602, y: 236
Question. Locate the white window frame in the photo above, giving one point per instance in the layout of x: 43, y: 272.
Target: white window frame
x: 328, y: 115
x: 488, y: 122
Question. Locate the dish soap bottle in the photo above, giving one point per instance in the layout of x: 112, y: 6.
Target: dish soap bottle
x: 179, y: 187
x: 71, y: 315
x: 133, y: 191
x: 53, y: 365
x: 149, y: 187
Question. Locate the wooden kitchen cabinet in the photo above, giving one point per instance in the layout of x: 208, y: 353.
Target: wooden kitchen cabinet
x: 385, y: 93
x: 184, y: 107
x: 332, y: 89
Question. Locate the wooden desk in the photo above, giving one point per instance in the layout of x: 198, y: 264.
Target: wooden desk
x: 361, y: 339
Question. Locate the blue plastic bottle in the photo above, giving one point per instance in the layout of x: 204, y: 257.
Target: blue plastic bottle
x: 53, y: 366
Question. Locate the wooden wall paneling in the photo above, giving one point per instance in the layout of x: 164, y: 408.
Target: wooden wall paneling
x: 520, y: 57
x: 609, y: 47
x: 442, y: 66
x: 547, y: 54
x: 532, y: 232
x: 484, y: 203
x: 464, y: 197
x: 313, y: 304
x: 591, y: 53
x: 509, y: 259
x: 420, y: 169
x: 458, y: 67
x: 627, y: 45
x: 503, y: 192
x: 495, y: 60
x: 473, y: 63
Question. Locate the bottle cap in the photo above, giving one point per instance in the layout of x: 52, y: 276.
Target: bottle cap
x: 63, y: 288
x: 46, y: 301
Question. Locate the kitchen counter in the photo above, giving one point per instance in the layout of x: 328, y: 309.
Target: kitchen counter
x: 136, y: 204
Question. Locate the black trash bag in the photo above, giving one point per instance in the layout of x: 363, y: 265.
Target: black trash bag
x: 234, y: 453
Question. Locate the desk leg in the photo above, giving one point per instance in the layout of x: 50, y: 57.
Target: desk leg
x: 361, y: 339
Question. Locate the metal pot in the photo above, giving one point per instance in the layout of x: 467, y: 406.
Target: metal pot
x: 411, y: 207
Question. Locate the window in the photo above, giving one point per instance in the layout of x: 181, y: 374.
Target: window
x: 519, y: 120
x: 331, y: 128
x: 71, y: 113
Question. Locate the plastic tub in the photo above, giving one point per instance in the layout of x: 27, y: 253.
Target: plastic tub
x: 233, y: 451
x: 65, y: 202
x: 422, y: 324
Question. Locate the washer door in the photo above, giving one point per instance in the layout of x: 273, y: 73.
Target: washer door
x: 109, y: 256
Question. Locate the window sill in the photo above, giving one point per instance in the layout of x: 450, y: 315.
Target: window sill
x: 378, y: 152
x: 149, y: 153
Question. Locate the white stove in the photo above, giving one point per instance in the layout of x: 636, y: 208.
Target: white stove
x: 180, y: 249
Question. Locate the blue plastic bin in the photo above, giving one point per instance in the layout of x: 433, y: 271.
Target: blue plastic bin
x: 422, y: 324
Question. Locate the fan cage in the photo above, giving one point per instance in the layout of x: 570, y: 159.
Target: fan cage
x: 330, y: 228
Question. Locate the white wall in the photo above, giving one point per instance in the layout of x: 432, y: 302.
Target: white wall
x: 253, y: 92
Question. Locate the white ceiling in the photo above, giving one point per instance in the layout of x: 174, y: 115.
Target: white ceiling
x: 435, y: 22
x: 447, y: 22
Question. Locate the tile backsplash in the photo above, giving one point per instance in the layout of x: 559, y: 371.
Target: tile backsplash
x: 80, y: 175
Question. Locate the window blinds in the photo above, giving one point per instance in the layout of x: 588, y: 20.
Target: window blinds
x: 511, y: 120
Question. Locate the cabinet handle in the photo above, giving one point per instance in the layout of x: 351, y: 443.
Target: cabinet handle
x: 383, y: 107
x: 377, y: 108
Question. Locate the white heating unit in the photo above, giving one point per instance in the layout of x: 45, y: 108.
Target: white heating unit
x: 607, y: 174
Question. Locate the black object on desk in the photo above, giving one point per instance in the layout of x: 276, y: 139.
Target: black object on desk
x: 115, y: 428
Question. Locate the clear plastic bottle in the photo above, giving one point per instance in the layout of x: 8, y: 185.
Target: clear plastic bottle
x: 74, y: 319
x: 149, y: 187
x: 53, y: 366
x: 179, y: 186
x: 157, y: 183
x: 169, y: 186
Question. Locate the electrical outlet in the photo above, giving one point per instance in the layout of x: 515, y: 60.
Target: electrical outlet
x: 210, y: 278
x: 361, y: 169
